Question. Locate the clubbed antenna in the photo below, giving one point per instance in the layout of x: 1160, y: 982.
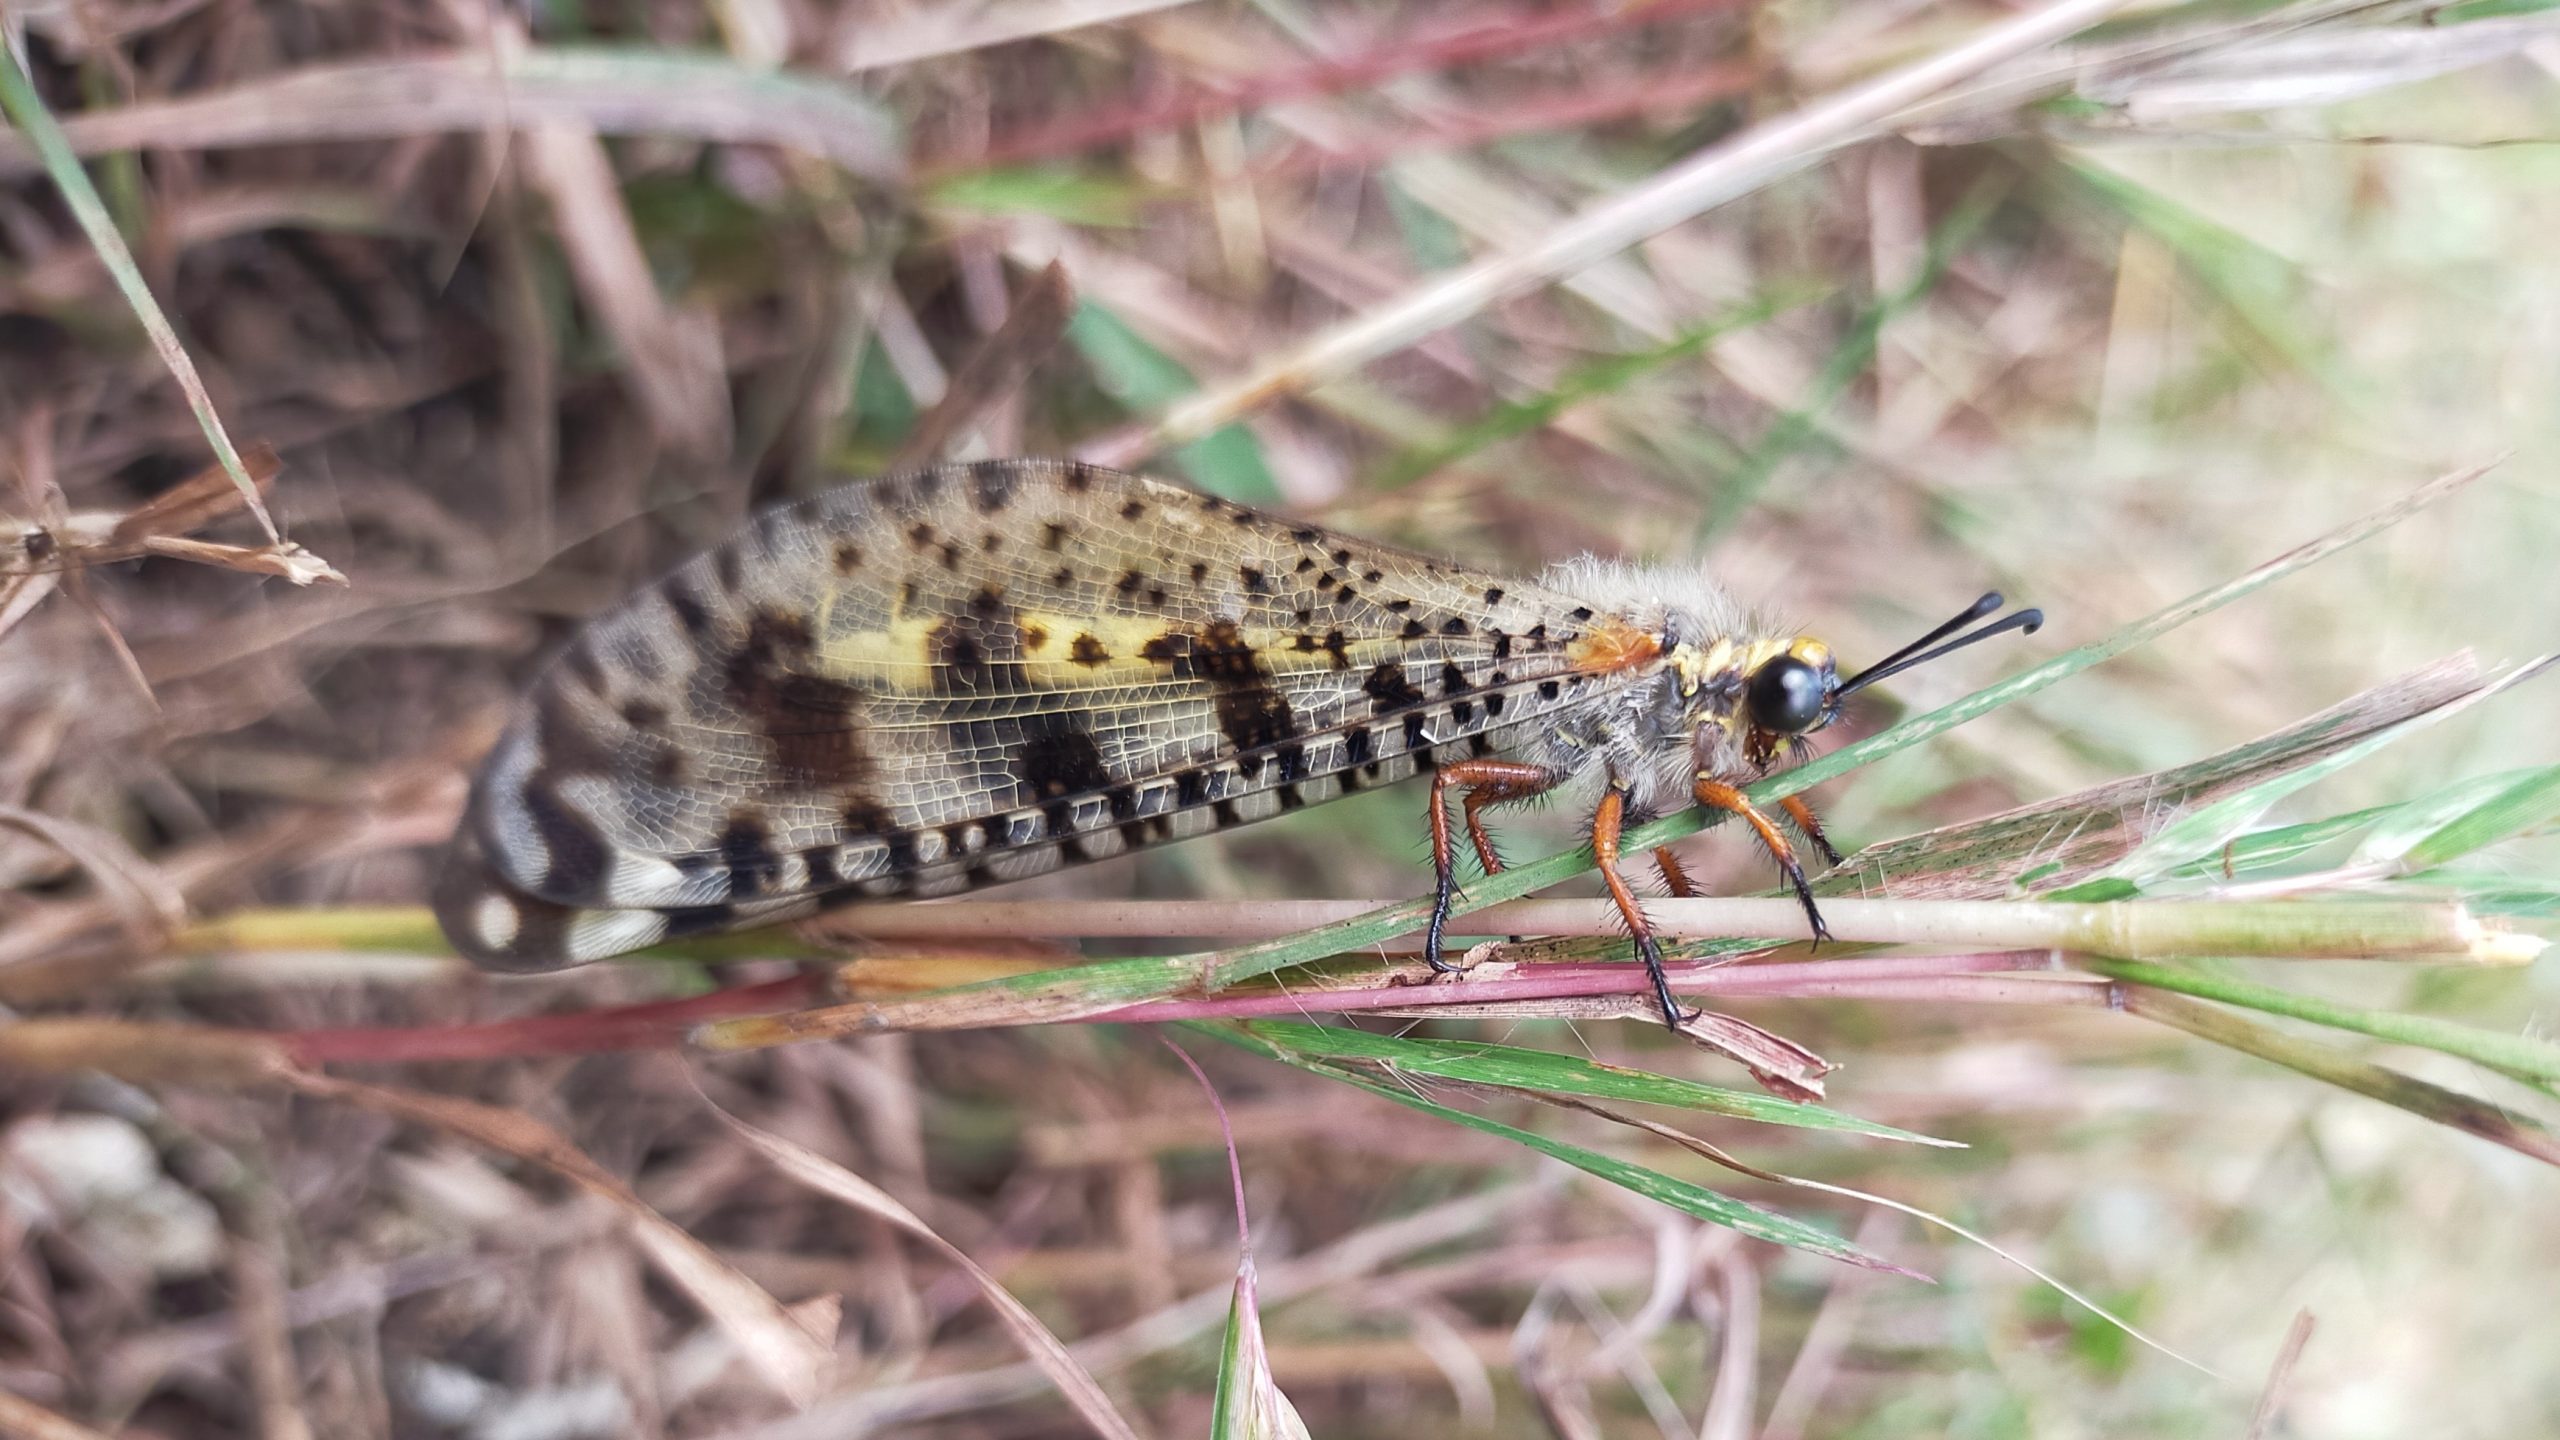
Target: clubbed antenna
x: 1919, y: 653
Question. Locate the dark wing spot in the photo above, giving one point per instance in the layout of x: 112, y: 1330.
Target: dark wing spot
x: 1399, y: 605
x: 1034, y: 637
x: 690, y: 611
x: 1357, y: 745
x: 1453, y: 626
x: 920, y: 536
x: 989, y: 601
x: 812, y: 722
x: 1493, y: 595
x: 724, y: 564
x: 821, y: 860
x: 1053, y: 767
x: 1053, y: 536
x: 1169, y: 649
x: 848, y: 557
x: 643, y: 714
x: 1372, y: 577
x: 1199, y: 572
x: 1580, y: 612
x: 1548, y: 689
x: 1254, y: 580
x: 1129, y: 582
x: 746, y: 848
x: 1085, y: 650
x: 1080, y: 477
x: 991, y: 487
x: 1453, y: 681
x: 1063, y: 576
x: 1413, y: 630
x: 1251, y: 711
x: 1338, y: 648
x: 1388, y: 689
x: 1133, y: 509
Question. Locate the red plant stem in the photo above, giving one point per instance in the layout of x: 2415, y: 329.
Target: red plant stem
x: 1486, y: 38
x: 659, y: 1024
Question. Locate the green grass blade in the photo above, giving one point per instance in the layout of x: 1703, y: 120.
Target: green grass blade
x: 2522, y: 1057
x: 2496, y: 1124
x: 1681, y: 1195
x: 2205, y: 831
x: 2529, y: 803
x: 1517, y: 1068
x: 26, y: 110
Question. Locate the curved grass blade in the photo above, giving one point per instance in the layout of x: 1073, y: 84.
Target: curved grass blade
x: 26, y: 110
x: 1517, y: 1068
x: 2535, y: 1062
x: 1681, y: 1195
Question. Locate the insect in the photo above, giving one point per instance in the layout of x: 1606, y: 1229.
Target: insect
x: 932, y: 682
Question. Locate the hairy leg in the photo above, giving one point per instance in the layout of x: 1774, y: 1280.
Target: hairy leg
x: 1716, y: 795
x: 1484, y: 782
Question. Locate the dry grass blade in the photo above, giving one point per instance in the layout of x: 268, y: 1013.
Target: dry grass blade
x: 625, y: 92
x: 875, y: 41
x: 144, y: 1053
x: 809, y: 1168
x: 673, y: 353
x: 2063, y: 841
x: 1720, y: 173
x: 1033, y: 325
x: 26, y: 1420
x: 2280, y: 1377
x: 774, y: 1342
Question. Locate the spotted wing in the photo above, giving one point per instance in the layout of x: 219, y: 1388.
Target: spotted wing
x: 971, y: 674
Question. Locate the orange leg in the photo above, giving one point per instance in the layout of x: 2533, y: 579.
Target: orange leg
x: 1716, y: 795
x: 1675, y: 876
x: 1486, y: 782
x: 1606, y: 822
x: 1811, y: 825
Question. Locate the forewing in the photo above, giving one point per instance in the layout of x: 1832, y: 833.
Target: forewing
x: 976, y: 672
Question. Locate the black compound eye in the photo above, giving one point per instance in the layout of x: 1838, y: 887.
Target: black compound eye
x: 1786, y: 696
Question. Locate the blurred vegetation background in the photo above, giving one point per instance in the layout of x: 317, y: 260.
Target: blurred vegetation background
x: 532, y: 302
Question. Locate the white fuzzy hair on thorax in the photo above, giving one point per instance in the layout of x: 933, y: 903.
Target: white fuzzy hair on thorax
x: 1678, y: 599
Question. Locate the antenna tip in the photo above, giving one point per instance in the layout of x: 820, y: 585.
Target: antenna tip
x: 2030, y: 621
